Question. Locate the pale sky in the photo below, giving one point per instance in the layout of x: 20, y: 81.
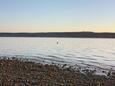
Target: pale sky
x: 57, y: 15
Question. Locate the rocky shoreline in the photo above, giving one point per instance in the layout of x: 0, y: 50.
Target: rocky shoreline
x: 17, y: 72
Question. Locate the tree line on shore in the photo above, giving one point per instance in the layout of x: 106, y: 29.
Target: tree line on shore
x: 61, y: 34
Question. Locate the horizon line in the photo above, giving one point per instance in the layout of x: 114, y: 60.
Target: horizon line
x: 61, y: 32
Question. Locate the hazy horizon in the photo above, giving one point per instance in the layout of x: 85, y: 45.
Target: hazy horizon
x: 57, y: 15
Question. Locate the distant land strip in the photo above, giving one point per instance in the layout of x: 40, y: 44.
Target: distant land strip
x: 61, y: 34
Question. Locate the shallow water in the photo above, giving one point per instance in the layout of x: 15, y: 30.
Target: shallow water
x: 80, y: 51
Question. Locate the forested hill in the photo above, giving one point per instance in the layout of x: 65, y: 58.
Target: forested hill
x: 61, y: 34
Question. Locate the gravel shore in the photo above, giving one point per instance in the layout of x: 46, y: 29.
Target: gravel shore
x: 15, y: 72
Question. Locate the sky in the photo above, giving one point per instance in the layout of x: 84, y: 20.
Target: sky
x: 57, y: 15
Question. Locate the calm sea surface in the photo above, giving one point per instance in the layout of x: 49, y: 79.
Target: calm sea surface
x: 80, y: 51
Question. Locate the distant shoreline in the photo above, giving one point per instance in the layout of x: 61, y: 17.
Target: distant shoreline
x: 61, y: 34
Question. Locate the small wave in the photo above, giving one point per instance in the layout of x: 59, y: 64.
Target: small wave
x: 86, y: 58
x: 98, y: 56
x: 56, y: 57
x: 108, y: 60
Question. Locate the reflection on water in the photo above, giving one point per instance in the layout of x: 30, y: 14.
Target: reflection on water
x: 95, y: 52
